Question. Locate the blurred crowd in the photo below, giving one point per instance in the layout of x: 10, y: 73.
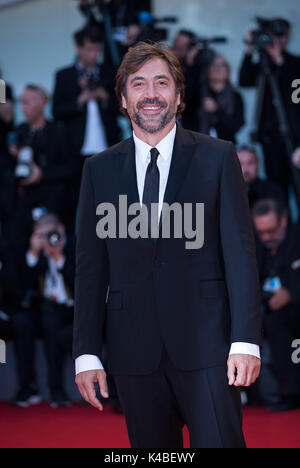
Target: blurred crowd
x: 41, y: 165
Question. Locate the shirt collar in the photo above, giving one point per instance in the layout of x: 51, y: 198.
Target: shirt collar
x: 165, y: 146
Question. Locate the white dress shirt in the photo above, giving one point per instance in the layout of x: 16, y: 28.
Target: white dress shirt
x: 94, y: 138
x: 142, y: 159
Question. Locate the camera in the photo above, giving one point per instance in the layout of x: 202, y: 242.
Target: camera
x: 267, y: 31
x: 53, y: 238
x: 23, y: 168
x: 270, y: 287
x: 93, y: 83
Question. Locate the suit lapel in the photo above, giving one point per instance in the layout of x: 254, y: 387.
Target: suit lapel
x: 181, y: 160
x: 128, y: 172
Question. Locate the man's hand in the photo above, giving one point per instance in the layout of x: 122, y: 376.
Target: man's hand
x: 210, y: 105
x: 37, y: 242
x: 280, y: 299
x: 243, y: 369
x: 85, y: 382
x: 35, y: 178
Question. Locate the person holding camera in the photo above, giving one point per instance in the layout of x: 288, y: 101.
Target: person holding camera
x: 47, y: 307
x: 43, y: 164
x: 278, y: 252
x: 271, y: 41
x: 83, y: 98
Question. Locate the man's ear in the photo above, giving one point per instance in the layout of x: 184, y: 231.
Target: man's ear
x: 124, y: 102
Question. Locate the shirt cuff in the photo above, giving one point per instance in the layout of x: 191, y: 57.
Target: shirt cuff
x: 245, y: 348
x: 87, y: 362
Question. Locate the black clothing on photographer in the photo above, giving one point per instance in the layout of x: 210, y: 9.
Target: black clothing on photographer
x: 282, y: 327
x: 44, y: 316
x: 226, y: 121
x: 67, y: 110
x: 52, y: 155
x: 277, y: 168
x: 77, y: 118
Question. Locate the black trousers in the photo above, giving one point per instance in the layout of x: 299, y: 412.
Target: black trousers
x: 46, y: 321
x: 157, y: 406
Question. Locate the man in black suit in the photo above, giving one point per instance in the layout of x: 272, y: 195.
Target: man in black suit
x: 83, y: 97
x: 173, y: 312
x: 83, y: 100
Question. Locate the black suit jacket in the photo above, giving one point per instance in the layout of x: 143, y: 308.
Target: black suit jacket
x: 195, y: 302
x: 65, y: 107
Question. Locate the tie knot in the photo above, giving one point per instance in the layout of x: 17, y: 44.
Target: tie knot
x: 154, y: 155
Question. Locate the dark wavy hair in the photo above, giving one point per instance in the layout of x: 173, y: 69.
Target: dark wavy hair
x: 140, y: 54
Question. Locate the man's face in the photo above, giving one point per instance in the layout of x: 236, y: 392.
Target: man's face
x: 270, y: 229
x: 151, y: 98
x: 89, y: 53
x: 218, y: 70
x: 249, y: 164
x: 33, y: 105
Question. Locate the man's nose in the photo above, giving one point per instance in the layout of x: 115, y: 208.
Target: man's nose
x: 151, y: 91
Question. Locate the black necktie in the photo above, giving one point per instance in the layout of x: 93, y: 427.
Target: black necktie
x: 151, y: 187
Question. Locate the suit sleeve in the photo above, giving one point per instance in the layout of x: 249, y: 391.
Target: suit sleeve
x: 91, y: 278
x: 64, y: 107
x: 238, y: 246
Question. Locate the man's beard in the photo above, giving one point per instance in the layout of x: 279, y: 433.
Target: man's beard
x: 274, y: 244
x: 153, y: 125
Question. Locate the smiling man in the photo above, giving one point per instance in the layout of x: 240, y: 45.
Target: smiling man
x: 182, y: 326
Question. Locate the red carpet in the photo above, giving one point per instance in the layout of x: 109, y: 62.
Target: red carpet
x: 83, y: 427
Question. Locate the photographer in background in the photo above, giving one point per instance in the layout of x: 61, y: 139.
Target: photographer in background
x: 285, y: 67
x: 47, y: 307
x: 218, y: 107
x: 278, y: 254
x: 42, y: 162
x: 221, y: 108
x: 84, y: 101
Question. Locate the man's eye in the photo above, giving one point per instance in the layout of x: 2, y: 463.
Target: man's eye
x: 162, y: 83
x: 138, y: 85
